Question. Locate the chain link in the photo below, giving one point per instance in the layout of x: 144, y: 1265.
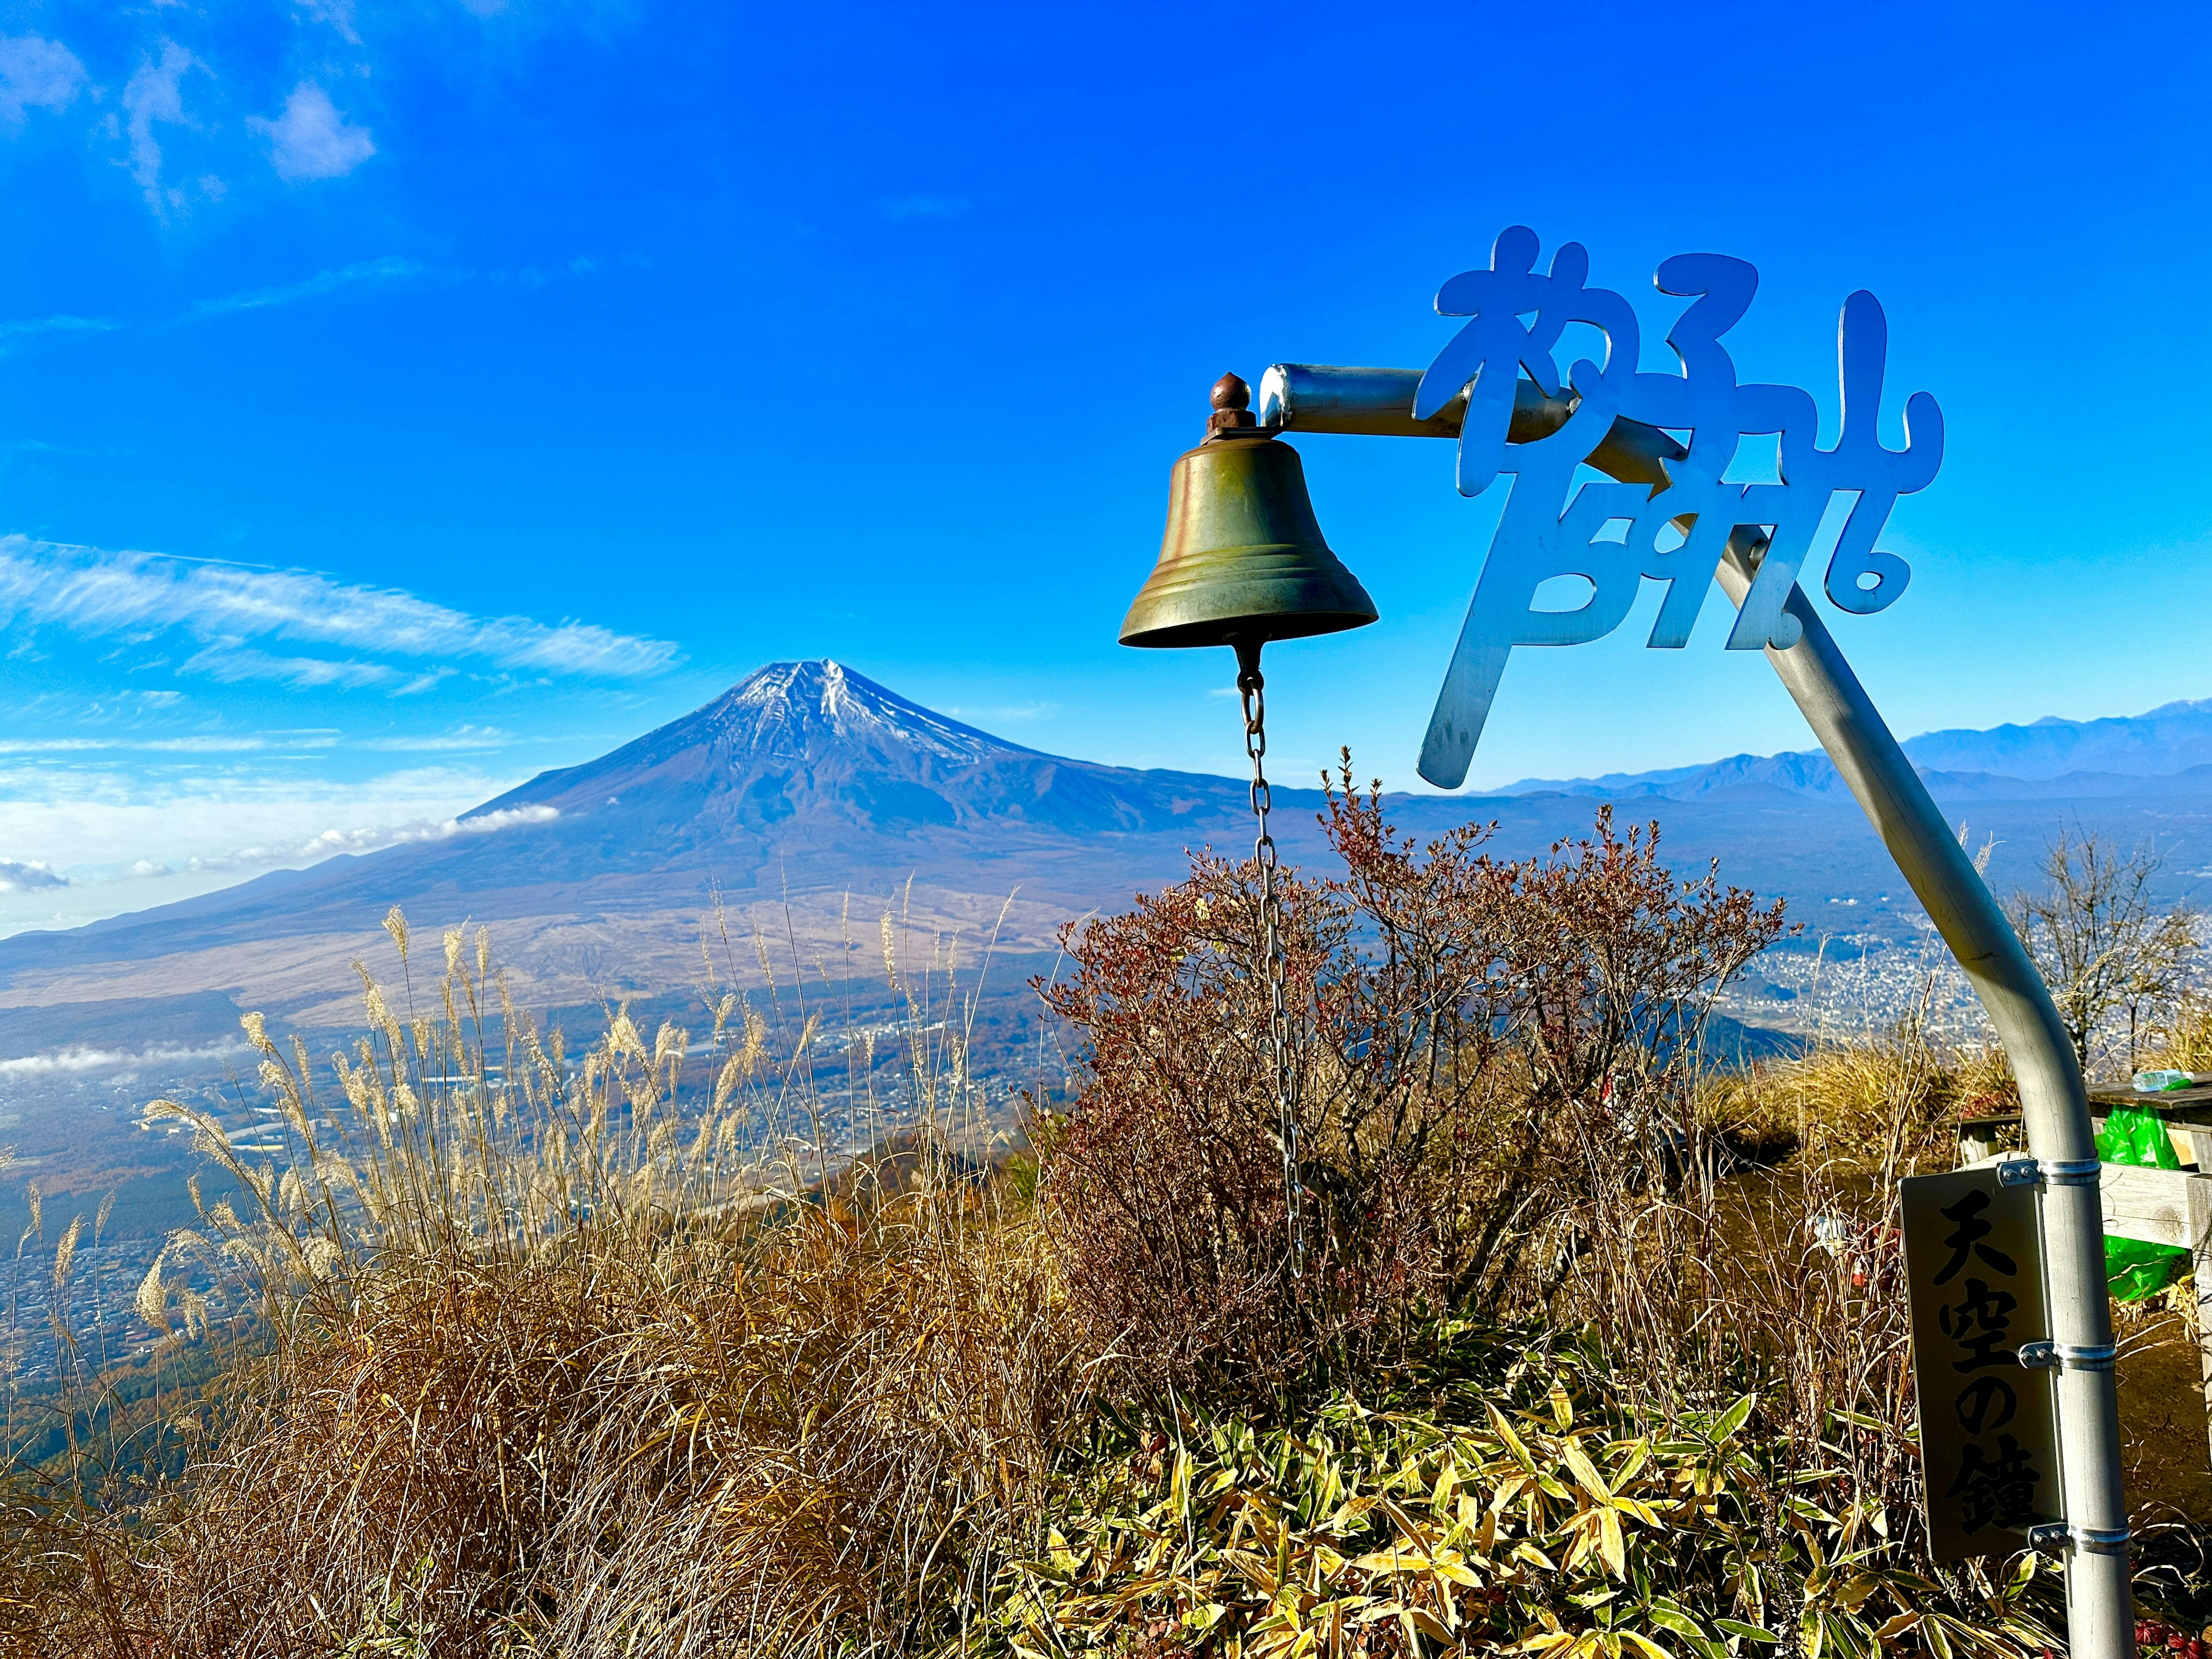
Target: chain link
x: 1252, y: 689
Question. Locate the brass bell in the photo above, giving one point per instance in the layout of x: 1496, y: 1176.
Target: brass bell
x: 1243, y: 561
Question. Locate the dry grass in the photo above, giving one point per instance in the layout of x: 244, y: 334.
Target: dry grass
x: 813, y: 1444
x: 582, y: 1358
x: 1882, y: 1106
x: 2184, y: 1041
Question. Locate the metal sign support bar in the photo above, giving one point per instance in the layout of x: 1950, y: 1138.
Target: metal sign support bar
x: 2054, y: 1102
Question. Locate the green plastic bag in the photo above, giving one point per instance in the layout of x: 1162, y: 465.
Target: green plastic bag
x: 2136, y: 1269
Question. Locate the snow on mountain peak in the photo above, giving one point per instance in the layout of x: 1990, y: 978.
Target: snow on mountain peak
x: 794, y: 707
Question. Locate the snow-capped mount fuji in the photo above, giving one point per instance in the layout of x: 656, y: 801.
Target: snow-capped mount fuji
x: 789, y: 713
x: 806, y: 789
x: 801, y: 746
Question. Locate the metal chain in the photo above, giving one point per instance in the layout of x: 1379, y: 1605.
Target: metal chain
x: 1253, y: 690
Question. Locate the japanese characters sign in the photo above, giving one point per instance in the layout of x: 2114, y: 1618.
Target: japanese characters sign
x: 1989, y: 1441
x: 1614, y: 535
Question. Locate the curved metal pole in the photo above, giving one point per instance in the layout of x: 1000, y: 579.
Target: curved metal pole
x: 2054, y: 1101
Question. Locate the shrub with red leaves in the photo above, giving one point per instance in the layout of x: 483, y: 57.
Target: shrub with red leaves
x: 1480, y: 1045
x: 2155, y: 1635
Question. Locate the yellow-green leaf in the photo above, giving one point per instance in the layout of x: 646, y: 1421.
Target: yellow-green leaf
x: 1585, y: 1471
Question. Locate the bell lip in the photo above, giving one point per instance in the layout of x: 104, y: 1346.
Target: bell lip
x: 1178, y: 636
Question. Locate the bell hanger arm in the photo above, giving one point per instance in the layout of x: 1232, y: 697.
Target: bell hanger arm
x: 1378, y: 403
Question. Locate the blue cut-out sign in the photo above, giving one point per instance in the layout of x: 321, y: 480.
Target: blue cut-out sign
x: 1674, y: 532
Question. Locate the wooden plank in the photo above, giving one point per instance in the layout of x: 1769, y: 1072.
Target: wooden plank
x: 2198, y: 1095
x: 2200, y: 1222
x: 2192, y: 1145
x: 1975, y: 1147
x: 2151, y: 1205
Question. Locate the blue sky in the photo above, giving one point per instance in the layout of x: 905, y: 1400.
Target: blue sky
x: 396, y: 400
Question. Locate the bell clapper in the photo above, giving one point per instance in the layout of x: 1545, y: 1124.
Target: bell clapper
x: 1251, y: 690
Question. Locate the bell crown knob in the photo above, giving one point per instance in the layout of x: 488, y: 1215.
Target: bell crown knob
x: 1232, y: 403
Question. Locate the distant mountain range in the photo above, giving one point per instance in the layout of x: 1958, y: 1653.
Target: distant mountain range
x: 2050, y: 759
x: 807, y: 801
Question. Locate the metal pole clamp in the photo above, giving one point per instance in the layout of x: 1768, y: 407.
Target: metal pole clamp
x: 2073, y: 1356
x: 2058, y: 1171
x: 2053, y: 1536
x: 2070, y: 1171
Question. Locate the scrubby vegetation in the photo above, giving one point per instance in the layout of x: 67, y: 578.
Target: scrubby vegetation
x: 1597, y: 1352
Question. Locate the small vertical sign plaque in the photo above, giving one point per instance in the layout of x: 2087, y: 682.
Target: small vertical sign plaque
x: 1989, y: 1438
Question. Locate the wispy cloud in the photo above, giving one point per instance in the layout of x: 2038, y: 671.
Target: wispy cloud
x: 1004, y: 713
x: 22, y: 332
x: 156, y: 93
x: 229, y: 663
x: 142, y: 596
x: 240, y: 745
x: 36, y: 73
x: 390, y: 269
x: 330, y: 843
x: 100, y: 1060
x: 205, y: 745
x: 462, y: 741
x: 338, y: 14
x: 311, y: 139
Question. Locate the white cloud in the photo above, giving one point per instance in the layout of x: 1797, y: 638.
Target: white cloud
x: 155, y: 94
x: 101, y: 1059
x: 212, y: 746
x: 1005, y: 715
x: 329, y: 843
x: 227, y: 663
x: 141, y: 596
x: 311, y: 139
x: 462, y: 738
x: 36, y: 73
x: 390, y: 268
x: 302, y: 739
x: 126, y: 840
x: 28, y: 878
x: 13, y: 335
x: 338, y: 14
